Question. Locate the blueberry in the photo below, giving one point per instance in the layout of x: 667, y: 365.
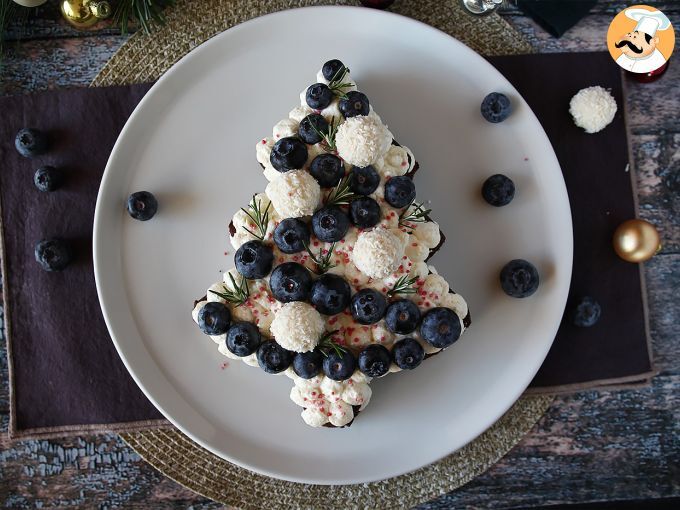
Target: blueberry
x: 47, y: 178
x: 327, y: 169
x: 586, y: 312
x: 440, y: 327
x: 254, y: 259
x: 374, y: 360
x: 496, y: 107
x: 364, y: 180
x: 214, y: 318
x: 318, y: 96
x: 307, y: 364
x: 290, y: 281
x: 273, y: 358
x: 519, y: 278
x: 312, y: 128
x: 364, y: 212
x: 330, y: 294
x: 291, y: 235
x: 53, y: 254
x: 31, y: 142
x: 402, y: 316
x: 355, y: 103
x: 407, y: 353
x: 339, y: 367
x: 333, y: 69
x: 368, y: 306
x: 288, y: 153
x: 400, y: 191
x: 142, y: 205
x: 243, y: 338
x: 498, y: 190
x: 330, y: 224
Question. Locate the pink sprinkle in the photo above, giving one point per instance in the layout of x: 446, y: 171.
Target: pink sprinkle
x: 526, y: 159
x: 356, y: 340
x: 342, y: 241
x: 316, y: 243
x: 224, y: 365
x: 414, y: 244
x: 264, y: 142
x: 329, y: 414
x: 403, y: 163
x: 404, y: 257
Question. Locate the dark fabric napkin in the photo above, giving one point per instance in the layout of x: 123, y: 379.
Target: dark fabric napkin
x: 556, y: 16
x: 66, y: 376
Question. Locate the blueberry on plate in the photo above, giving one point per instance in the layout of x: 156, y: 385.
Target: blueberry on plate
x: 496, y: 107
x: 368, y: 306
x: 330, y: 294
x: 402, y: 316
x: 586, y: 312
x: 318, y: 96
x: 243, y: 338
x: 353, y: 104
x: 330, y: 224
x: 440, y: 327
x: 291, y: 235
x: 374, y: 360
x: 53, y: 254
x: 254, y: 259
x: 400, y: 191
x: 273, y: 358
x: 31, y: 142
x: 214, y: 318
x: 407, y: 353
x: 364, y: 212
x: 307, y: 364
x: 333, y: 69
x: 288, y: 153
x: 142, y: 205
x: 327, y: 169
x: 498, y: 190
x: 519, y: 278
x: 339, y: 366
x: 47, y: 178
x: 312, y: 128
x: 364, y: 180
x: 290, y: 281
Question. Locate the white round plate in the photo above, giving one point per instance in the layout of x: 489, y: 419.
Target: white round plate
x: 191, y: 142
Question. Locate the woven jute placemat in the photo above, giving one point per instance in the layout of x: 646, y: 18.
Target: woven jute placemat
x: 143, y: 59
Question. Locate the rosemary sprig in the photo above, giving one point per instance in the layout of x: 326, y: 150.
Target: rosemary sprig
x: 341, y: 194
x: 143, y: 11
x: 239, y: 295
x: 259, y: 217
x: 327, y: 139
x: 337, y: 83
x: 326, y: 344
x: 322, y: 261
x: 414, y: 213
x: 403, y: 285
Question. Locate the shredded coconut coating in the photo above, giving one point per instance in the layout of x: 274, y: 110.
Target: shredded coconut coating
x: 294, y: 194
x: 377, y: 253
x: 593, y: 109
x: 297, y: 326
x: 362, y: 140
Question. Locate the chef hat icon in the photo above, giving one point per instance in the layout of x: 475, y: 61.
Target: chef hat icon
x: 648, y: 22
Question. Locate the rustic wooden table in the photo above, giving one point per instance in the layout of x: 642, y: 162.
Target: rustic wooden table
x: 590, y: 446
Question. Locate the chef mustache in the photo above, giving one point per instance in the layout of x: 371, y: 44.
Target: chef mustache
x: 626, y: 42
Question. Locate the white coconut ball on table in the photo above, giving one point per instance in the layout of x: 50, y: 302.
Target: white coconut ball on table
x: 593, y: 109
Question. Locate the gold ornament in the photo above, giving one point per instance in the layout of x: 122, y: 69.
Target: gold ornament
x: 83, y: 14
x: 636, y: 240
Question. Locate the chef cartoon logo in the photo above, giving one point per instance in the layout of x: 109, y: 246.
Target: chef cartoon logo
x: 640, y: 39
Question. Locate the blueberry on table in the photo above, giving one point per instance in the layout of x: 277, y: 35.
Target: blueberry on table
x: 440, y: 327
x: 364, y: 212
x: 330, y: 224
x: 273, y: 358
x: 330, y: 294
x: 368, y: 306
x: 327, y: 169
x: 142, y: 205
x: 318, y: 96
x: 364, y: 180
x: 402, y: 317
x: 307, y: 364
x: 353, y: 104
x: 374, y: 360
x: 214, y: 318
x: 53, y: 254
x: 254, y: 259
x: 586, y: 312
x: 313, y: 128
x: 290, y: 281
x: 400, y: 191
x: 288, y: 153
x: 498, y: 190
x: 243, y: 338
x: 47, y: 178
x: 333, y: 69
x: 407, y: 353
x: 519, y: 278
x: 496, y: 107
x: 291, y: 235
x: 339, y: 366
x: 31, y: 142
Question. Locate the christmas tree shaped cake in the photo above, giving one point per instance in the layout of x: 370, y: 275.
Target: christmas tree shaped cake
x: 331, y: 285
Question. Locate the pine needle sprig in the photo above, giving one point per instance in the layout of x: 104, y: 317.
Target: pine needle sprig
x: 414, y: 213
x: 238, y: 295
x: 322, y: 260
x: 326, y: 344
x: 338, y: 85
x: 327, y: 139
x: 341, y: 194
x: 403, y: 285
x: 259, y: 217
x: 143, y: 11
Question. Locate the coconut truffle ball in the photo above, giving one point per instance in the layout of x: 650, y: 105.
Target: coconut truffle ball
x: 593, y: 109
x: 362, y: 140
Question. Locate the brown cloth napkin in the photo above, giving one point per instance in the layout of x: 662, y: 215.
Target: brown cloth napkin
x: 65, y: 374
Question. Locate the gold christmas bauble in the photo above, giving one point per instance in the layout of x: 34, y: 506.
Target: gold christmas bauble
x: 83, y: 14
x: 636, y: 240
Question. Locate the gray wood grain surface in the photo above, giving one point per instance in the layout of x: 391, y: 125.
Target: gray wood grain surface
x: 590, y: 446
